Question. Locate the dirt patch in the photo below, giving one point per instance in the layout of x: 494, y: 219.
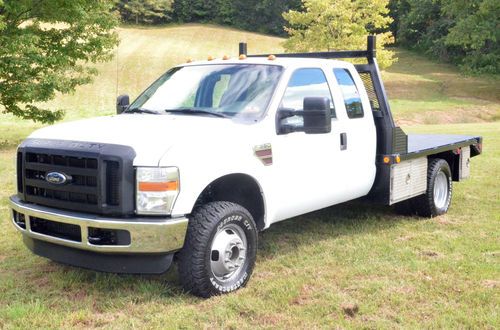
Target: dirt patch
x: 270, y: 319
x: 432, y: 254
x: 445, y: 221
x: 350, y: 309
x: 491, y: 284
x: 404, y: 290
x: 404, y: 238
x: 304, y: 296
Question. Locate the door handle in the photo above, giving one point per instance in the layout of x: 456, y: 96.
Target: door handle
x: 343, y: 141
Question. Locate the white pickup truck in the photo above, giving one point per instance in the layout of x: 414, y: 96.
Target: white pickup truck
x: 214, y: 152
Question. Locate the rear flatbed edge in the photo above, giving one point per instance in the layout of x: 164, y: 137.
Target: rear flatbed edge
x: 423, y: 148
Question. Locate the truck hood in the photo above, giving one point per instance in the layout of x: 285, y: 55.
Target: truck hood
x: 151, y: 136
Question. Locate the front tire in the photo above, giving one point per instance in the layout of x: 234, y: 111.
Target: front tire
x: 220, y: 249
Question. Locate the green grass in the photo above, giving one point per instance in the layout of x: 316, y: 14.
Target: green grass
x: 425, y: 92
x: 401, y: 272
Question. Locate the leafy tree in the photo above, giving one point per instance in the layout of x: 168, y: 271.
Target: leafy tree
x: 397, y: 9
x: 421, y: 24
x: 465, y: 32
x: 201, y: 10
x: 253, y: 15
x: 44, y: 49
x: 476, y: 33
x: 263, y: 16
x: 145, y: 11
x: 339, y: 24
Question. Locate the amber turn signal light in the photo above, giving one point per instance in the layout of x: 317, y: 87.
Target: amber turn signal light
x: 158, y: 186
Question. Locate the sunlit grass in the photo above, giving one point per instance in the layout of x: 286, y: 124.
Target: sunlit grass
x: 400, y: 272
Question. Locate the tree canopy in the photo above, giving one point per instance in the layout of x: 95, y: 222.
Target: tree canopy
x: 145, y: 11
x: 45, y: 47
x: 339, y: 24
x: 465, y: 32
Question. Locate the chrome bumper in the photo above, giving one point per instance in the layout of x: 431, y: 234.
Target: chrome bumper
x: 147, y: 235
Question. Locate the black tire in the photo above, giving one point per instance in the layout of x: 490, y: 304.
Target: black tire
x: 195, y: 258
x: 425, y: 205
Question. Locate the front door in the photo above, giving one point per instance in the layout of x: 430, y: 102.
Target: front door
x: 307, y: 167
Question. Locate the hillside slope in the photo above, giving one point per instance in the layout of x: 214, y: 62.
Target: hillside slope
x: 420, y: 91
x: 146, y: 53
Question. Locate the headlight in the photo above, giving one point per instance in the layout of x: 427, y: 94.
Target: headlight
x: 156, y: 189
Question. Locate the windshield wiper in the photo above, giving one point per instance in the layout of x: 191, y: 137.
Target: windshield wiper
x: 142, y: 110
x: 189, y: 111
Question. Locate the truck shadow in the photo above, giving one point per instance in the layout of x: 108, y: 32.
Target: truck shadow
x: 351, y: 218
x: 278, y: 241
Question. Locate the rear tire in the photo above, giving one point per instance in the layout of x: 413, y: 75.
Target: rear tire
x: 437, y: 199
x: 220, y: 249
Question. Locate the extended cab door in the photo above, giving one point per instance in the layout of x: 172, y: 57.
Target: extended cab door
x: 359, y: 132
x: 307, y: 168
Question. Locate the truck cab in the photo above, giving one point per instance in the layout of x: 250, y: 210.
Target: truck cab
x: 214, y: 152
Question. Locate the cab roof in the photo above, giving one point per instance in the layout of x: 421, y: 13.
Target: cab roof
x: 283, y: 61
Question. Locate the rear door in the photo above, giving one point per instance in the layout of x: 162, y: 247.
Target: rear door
x: 359, y: 134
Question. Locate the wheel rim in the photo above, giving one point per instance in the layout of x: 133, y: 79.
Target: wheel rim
x: 228, y: 253
x: 441, y: 190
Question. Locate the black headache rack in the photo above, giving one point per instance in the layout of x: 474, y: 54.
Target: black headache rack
x: 392, y: 142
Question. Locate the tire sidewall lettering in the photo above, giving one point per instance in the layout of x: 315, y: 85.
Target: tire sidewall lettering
x: 247, y: 227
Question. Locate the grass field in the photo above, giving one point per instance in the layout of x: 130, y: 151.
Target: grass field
x: 348, y: 266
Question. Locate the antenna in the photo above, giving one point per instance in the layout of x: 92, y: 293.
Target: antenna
x: 117, y: 70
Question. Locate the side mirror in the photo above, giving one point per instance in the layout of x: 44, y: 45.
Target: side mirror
x: 317, y: 115
x: 122, y: 103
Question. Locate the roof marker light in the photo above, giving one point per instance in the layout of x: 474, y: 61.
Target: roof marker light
x: 210, y: 58
x: 226, y: 57
x: 271, y: 57
x: 189, y: 60
x: 243, y: 57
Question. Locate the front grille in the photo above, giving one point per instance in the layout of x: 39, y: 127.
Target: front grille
x: 19, y: 172
x: 112, y: 183
x: 77, y: 176
x: 81, y: 192
x: 56, y: 229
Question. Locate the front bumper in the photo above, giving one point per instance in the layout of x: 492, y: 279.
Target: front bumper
x: 145, y: 238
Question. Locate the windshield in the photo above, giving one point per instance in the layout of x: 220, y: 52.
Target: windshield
x: 242, y: 90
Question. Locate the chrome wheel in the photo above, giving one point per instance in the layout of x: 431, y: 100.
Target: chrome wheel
x: 441, y: 190
x: 228, y: 253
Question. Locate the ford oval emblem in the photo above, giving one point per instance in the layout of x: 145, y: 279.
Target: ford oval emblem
x: 56, y: 178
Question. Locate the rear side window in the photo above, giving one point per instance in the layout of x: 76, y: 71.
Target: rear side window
x: 350, y: 92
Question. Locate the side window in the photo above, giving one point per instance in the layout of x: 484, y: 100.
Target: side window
x: 350, y: 92
x: 306, y: 83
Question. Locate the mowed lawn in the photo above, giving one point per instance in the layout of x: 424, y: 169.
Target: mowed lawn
x: 348, y: 266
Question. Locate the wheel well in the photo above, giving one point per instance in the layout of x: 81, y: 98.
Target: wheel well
x: 241, y: 189
x: 453, y: 161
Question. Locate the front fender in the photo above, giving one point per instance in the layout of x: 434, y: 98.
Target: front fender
x: 201, y: 166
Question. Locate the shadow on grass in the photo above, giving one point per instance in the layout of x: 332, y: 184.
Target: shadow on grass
x: 281, y: 239
x: 352, y: 218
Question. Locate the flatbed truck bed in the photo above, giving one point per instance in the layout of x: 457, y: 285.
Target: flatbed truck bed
x: 428, y: 144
